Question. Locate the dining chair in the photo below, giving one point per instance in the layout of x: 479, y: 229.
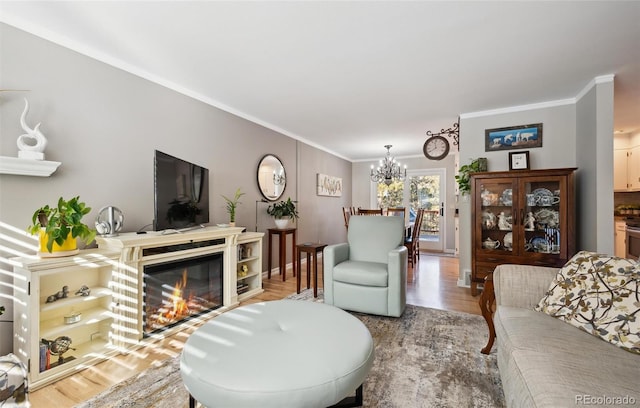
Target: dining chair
x: 396, y: 212
x: 347, y: 212
x: 362, y: 211
x: 412, y: 242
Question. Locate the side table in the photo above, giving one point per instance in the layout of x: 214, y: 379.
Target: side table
x: 282, y: 242
x: 311, y: 249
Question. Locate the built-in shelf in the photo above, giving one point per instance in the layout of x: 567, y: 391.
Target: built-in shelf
x: 27, y: 167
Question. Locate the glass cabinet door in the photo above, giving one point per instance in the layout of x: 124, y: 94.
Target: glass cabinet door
x: 496, y: 206
x: 543, y: 202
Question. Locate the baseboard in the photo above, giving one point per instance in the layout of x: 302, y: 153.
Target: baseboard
x: 289, y: 266
x: 466, y: 281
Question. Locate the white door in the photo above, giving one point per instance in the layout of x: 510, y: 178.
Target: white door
x: 425, y: 189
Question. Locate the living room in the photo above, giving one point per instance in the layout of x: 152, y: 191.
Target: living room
x: 104, y: 123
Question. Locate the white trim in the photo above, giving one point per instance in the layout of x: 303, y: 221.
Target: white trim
x: 376, y: 160
x: 602, y: 79
x: 520, y: 108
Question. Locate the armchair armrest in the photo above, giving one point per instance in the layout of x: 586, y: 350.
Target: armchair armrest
x: 521, y: 285
x: 397, y: 280
x: 332, y: 255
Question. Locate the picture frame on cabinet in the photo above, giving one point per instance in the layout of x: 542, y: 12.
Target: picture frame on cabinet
x: 519, y: 160
x: 513, y: 137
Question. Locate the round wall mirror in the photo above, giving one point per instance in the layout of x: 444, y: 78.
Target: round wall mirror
x: 272, y: 178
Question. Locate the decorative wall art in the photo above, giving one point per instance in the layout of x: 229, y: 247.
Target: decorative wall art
x: 514, y: 137
x: 329, y: 186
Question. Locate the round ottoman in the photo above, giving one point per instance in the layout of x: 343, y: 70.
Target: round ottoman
x: 285, y: 353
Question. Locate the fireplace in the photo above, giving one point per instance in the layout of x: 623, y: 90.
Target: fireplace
x: 179, y: 290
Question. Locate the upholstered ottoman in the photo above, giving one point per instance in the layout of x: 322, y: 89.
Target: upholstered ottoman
x: 285, y: 353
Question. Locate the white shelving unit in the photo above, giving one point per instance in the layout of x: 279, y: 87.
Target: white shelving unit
x: 249, y: 283
x: 35, y: 319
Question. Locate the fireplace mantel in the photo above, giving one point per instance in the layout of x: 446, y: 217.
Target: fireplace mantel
x: 108, y: 319
x: 138, y: 250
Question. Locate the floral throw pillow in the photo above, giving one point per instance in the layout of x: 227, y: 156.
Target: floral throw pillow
x: 599, y: 294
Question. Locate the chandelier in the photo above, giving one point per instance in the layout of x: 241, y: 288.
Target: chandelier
x: 388, y: 170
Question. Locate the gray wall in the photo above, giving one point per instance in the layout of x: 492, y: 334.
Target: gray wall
x: 594, y: 148
x: 104, y: 124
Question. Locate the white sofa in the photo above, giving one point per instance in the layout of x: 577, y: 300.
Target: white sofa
x: 545, y: 362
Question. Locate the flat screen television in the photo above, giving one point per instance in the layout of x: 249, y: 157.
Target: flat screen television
x: 181, y: 193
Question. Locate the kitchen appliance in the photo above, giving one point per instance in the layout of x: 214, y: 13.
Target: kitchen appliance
x: 632, y: 243
x: 109, y: 221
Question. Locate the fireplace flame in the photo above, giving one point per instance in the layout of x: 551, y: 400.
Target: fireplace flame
x: 178, y: 305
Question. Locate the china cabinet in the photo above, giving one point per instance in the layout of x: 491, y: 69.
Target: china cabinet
x: 521, y: 217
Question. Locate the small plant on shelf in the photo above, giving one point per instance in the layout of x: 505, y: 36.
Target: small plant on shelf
x: 232, y: 204
x: 62, y: 222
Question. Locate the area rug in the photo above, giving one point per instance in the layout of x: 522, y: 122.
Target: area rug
x: 426, y: 358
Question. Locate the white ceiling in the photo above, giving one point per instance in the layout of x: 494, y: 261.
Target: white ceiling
x: 350, y: 77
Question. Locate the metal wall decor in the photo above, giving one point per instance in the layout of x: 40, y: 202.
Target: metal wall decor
x: 436, y: 147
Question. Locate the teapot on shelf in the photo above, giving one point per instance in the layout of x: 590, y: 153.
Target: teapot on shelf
x: 490, y: 244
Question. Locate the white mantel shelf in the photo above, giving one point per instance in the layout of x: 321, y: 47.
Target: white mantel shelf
x: 27, y: 167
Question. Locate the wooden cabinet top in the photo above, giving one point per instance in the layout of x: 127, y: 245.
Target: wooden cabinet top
x: 524, y: 173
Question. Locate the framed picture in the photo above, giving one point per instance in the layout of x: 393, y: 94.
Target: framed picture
x: 514, y: 137
x: 519, y: 160
x: 329, y: 186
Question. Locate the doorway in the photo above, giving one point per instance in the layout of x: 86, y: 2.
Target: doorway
x: 426, y: 189
x: 421, y: 189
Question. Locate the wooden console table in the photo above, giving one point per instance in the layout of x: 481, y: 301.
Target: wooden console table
x: 487, y: 299
x: 282, y: 242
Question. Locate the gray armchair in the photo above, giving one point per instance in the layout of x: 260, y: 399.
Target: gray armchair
x: 368, y: 273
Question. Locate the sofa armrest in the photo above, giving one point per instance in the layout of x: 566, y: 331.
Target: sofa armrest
x: 397, y: 282
x: 521, y: 285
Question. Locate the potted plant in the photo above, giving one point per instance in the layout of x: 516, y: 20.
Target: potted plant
x: 232, y: 204
x: 283, y: 211
x: 59, y: 226
x: 463, y: 178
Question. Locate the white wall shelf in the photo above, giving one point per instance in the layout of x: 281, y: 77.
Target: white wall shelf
x: 27, y: 167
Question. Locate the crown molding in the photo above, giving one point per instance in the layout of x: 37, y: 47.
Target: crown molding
x: 602, y: 79
x: 519, y: 108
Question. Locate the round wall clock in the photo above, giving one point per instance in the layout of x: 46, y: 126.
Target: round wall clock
x: 436, y: 148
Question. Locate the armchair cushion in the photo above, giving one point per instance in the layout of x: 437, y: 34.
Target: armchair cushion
x: 362, y: 273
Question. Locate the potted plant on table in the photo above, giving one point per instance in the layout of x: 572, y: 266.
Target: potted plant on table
x: 59, y: 226
x: 283, y: 211
x: 232, y: 205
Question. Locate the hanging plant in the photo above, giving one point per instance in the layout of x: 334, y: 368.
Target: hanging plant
x: 463, y: 178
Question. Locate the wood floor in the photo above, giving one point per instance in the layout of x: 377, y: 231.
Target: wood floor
x: 433, y: 283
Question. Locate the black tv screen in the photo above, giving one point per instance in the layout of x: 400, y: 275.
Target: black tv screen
x: 181, y: 193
